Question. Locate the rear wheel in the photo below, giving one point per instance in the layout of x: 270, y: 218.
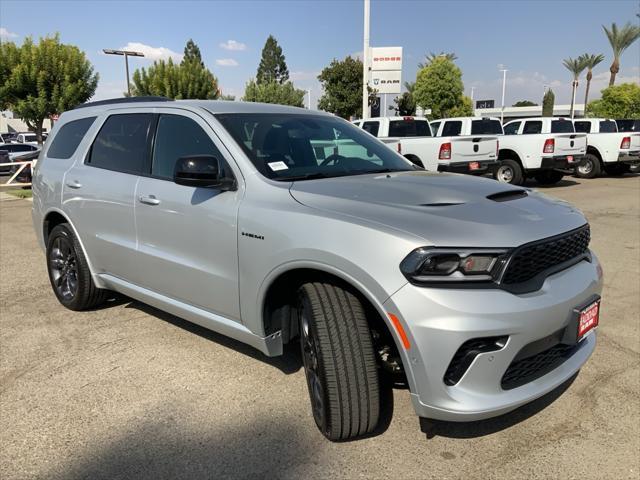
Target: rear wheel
x: 589, y: 166
x: 339, y: 362
x: 69, y: 272
x: 509, y: 171
x: 549, y: 177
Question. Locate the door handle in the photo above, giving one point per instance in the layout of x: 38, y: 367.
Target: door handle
x: 149, y: 199
x: 74, y: 184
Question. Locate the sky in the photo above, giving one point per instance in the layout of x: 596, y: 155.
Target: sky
x: 531, y: 38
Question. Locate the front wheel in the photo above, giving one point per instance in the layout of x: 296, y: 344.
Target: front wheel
x: 509, y: 171
x: 339, y: 362
x: 589, y: 166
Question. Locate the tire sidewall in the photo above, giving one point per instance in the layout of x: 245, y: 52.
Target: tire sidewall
x: 64, y: 231
x: 595, y: 166
x: 516, y: 178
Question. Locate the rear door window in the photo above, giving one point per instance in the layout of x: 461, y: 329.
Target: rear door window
x: 121, y: 144
x: 582, y: 127
x: 371, y: 127
x: 512, y: 128
x: 562, y: 126
x: 69, y: 137
x: 409, y: 128
x: 532, y: 127
x: 486, y: 126
x: 452, y: 128
x: 608, y: 126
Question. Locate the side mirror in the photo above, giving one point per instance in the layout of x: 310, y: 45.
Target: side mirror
x: 201, y: 171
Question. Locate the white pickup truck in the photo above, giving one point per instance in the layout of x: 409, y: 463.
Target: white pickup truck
x: 465, y: 152
x: 607, y: 149
x: 545, y: 148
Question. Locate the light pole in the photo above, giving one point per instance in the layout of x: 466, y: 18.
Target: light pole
x: 504, y: 86
x: 365, y: 63
x: 127, y: 54
x: 309, y: 94
x: 473, y: 107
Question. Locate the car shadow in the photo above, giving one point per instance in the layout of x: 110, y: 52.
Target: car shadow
x: 463, y: 430
x: 288, y: 363
x: 565, y: 182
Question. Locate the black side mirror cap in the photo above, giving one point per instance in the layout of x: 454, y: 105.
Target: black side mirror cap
x: 201, y: 171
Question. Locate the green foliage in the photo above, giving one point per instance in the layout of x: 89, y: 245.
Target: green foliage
x: 229, y: 98
x: 620, y: 39
x: 188, y: 79
x: 342, y: 86
x: 525, y: 103
x: 273, y: 92
x: 547, y: 103
x: 43, y: 79
x: 192, y: 53
x: 431, y: 56
x: 591, y: 61
x: 439, y: 87
x: 575, y: 65
x: 405, y: 104
x: 463, y: 109
x: 273, y: 67
x: 621, y: 101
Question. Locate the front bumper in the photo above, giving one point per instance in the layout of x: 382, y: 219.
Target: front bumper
x: 439, y: 320
x: 484, y: 166
x: 560, y: 162
x: 629, y: 157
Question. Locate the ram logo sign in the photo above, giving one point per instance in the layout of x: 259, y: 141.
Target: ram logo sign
x: 386, y: 82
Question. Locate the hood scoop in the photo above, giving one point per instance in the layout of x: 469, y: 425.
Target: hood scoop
x: 508, y: 195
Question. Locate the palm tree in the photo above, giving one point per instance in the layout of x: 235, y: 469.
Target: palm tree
x: 590, y: 60
x: 620, y: 40
x: 576, y: 66
x: 430, y: 57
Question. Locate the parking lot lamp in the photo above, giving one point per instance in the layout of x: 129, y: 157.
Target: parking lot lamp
x: 127, y: 54
x: 365, y: 63
x: 504, y: 86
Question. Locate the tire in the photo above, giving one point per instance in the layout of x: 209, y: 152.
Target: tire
x: 69, y: 272
x: 339, y: 362
x: 589, y: 167
x: 549, y: 177
x: 615, y: 169
x: 510, y: 172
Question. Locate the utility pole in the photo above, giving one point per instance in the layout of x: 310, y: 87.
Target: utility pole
x: 309, y: 94
x: 473, y: 107
x: 127, y: 54
x: 504, y: 86
x: 365, y: 62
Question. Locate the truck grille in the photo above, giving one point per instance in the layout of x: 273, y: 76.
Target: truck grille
x: 536, y: 257
x: 528, y: 369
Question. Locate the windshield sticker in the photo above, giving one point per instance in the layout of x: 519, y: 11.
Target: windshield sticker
x: 277, y: 166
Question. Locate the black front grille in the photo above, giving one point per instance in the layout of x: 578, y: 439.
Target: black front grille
x: 528, y: 369
x: 536, y: 257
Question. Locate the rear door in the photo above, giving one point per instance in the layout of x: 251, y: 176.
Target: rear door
x: 98, y: 191
x: 567, y: 142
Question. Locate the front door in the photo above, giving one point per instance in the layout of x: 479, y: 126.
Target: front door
x: 187, y: 236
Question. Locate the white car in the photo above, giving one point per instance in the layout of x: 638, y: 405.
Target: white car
x: 544, y: 148
x: 27, y: 137
x: 464, y: 151
x: 615, y: 152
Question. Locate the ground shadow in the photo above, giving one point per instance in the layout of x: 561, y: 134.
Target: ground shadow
x: 565, y: 182
x: 432, y: 428
x: 289, y: 362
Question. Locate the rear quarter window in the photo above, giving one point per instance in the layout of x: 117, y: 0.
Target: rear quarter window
x: 409, y: 128
x: 486, y: 127
x: 452, y: 129
x: 608, y: 126
x: 69, y: 137
x: 562, y: 126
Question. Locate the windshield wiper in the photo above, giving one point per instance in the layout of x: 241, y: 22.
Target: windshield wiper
x: 307, y: 176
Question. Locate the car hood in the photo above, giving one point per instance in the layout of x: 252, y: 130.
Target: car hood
x: 443, y: 209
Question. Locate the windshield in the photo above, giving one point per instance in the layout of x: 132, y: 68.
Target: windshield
x: 303, y: 147
x: 486, y: 126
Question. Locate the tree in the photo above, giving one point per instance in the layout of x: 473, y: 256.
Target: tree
x: 618, y: 101
x: 228, y: 98
x: 43, y: 79
x: 405, y: 104
x: 439, y: 87
x: 273, y: 67
x: 192, y: 53
x: 430, y: 57
x: 547, y: 103
x: 274, y: 92
x: 525, y: 103
x: 342, y: 88
x: 591, y: 61
x: 188, y: 79
x: 576, y: 66
x: 620, y: 40
x: 463, y: 109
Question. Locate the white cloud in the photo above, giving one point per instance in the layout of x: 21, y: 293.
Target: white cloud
x: 233, y: 45
x: 226, y: 62
x: 153, y: 53
x: 6, y: 34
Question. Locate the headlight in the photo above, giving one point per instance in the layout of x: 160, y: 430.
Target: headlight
x: 430, y: 265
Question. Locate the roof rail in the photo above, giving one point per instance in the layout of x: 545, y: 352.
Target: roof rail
x: 112, y: 101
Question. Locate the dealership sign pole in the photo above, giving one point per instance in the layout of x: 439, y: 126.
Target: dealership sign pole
x: 365, y: 62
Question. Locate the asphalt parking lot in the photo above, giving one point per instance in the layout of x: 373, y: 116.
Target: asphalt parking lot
x: 127, y: 391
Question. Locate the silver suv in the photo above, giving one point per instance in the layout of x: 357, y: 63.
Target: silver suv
x: 273, y: 224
